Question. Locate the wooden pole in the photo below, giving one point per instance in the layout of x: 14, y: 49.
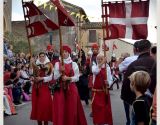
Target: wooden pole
x: 103, y: 25
x: 29, y: 42
x: 60, y: 45
x: 80, y: 44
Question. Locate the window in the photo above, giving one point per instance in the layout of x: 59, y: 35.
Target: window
x: 92, y: 36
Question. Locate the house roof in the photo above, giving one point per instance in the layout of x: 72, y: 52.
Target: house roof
x: 92, y: 25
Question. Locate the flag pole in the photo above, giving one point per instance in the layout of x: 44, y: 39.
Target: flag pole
x: 80, y: 44
x: 29, y: 42
x: 60, y: 45
x: 103, y: 25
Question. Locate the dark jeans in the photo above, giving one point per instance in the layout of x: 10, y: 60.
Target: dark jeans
x: 127, y: 112
x: 153, y: 122
x: 17, y: 92
x: 115, y: 81
x: 26, y: 87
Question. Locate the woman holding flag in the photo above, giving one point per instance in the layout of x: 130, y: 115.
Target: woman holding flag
x: 67, y: 107
x: 101, y: 105
x: 41, y: 95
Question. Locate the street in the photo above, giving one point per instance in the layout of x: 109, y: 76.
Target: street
x: 23, y: 117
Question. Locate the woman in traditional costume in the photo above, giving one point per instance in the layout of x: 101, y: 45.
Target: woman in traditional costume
x: 101, y: 104
x: 67, y: 107
x: 41, y: 95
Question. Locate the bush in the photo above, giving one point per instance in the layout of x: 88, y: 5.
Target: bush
x: 19, y: 44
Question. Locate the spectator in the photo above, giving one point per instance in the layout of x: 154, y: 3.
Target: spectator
x: 8, y: 104
x: 7, y: 86
x: 140, y: 81
x: 122, y: 58
x: 9, y: 52
x: 17, y: 90
x: 153, y: 53
x: 144, y: 62
x: 124, y: 61
x: 25, y: 79
x: 7, y: 65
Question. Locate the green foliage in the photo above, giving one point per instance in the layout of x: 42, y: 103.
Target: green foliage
x: 19, y: 44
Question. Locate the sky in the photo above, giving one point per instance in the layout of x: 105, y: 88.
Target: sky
x: 93, y: 11
x: 90, y: 6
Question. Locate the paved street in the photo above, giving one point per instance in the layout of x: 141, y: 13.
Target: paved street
x: 24, y: 112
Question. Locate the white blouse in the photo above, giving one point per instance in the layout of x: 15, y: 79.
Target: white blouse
x: 74, y: 78
x: 46, y: 78
x: 96, y: 70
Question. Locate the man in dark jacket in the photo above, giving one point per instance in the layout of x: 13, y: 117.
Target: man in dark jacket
x: 144, y: 62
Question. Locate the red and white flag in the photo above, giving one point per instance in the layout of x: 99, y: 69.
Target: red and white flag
x: 37, y: 22
x: 128, y: 19
x: 64, y: 18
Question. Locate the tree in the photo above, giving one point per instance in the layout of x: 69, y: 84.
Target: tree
x: 19, y: 44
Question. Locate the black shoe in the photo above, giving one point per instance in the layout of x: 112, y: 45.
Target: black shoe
x: 5, y: 114
x: 17, y: 103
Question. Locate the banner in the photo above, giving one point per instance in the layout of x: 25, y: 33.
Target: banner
x: 127, y: 19
x: 64, y: 18
x: 37, y: 22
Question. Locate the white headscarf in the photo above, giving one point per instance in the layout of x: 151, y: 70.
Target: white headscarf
x: 68, y: 60
x: 39, y: 63
x: 100, y: 54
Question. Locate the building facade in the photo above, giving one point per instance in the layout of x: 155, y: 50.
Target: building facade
x: 7, y: 10
x: 69, y: 34
x: 92, y: 33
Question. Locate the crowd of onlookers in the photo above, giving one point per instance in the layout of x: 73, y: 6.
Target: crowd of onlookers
x: 17, y: 84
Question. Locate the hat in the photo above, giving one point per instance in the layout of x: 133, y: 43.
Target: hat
x: 67, y: 48
x: 49, y: 47
x: 95, y: 46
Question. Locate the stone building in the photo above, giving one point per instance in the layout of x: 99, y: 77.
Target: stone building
x: 69, y: 34
x: 85, y: 32
x: 92, y: 32
x: 7, y: 8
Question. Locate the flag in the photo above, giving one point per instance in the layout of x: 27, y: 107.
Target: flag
x: 114, y: 46
x: 64, y: 18
x: 127, y: 19
x: 37, y: 22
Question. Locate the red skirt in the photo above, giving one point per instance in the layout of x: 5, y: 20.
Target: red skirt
x: 67, y: 107
x: 58, y: 108
x: 41, y: 104
x: 101, y: 109
x: 74, y: 110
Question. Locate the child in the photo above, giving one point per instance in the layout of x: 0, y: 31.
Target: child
x: 140, y: 81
